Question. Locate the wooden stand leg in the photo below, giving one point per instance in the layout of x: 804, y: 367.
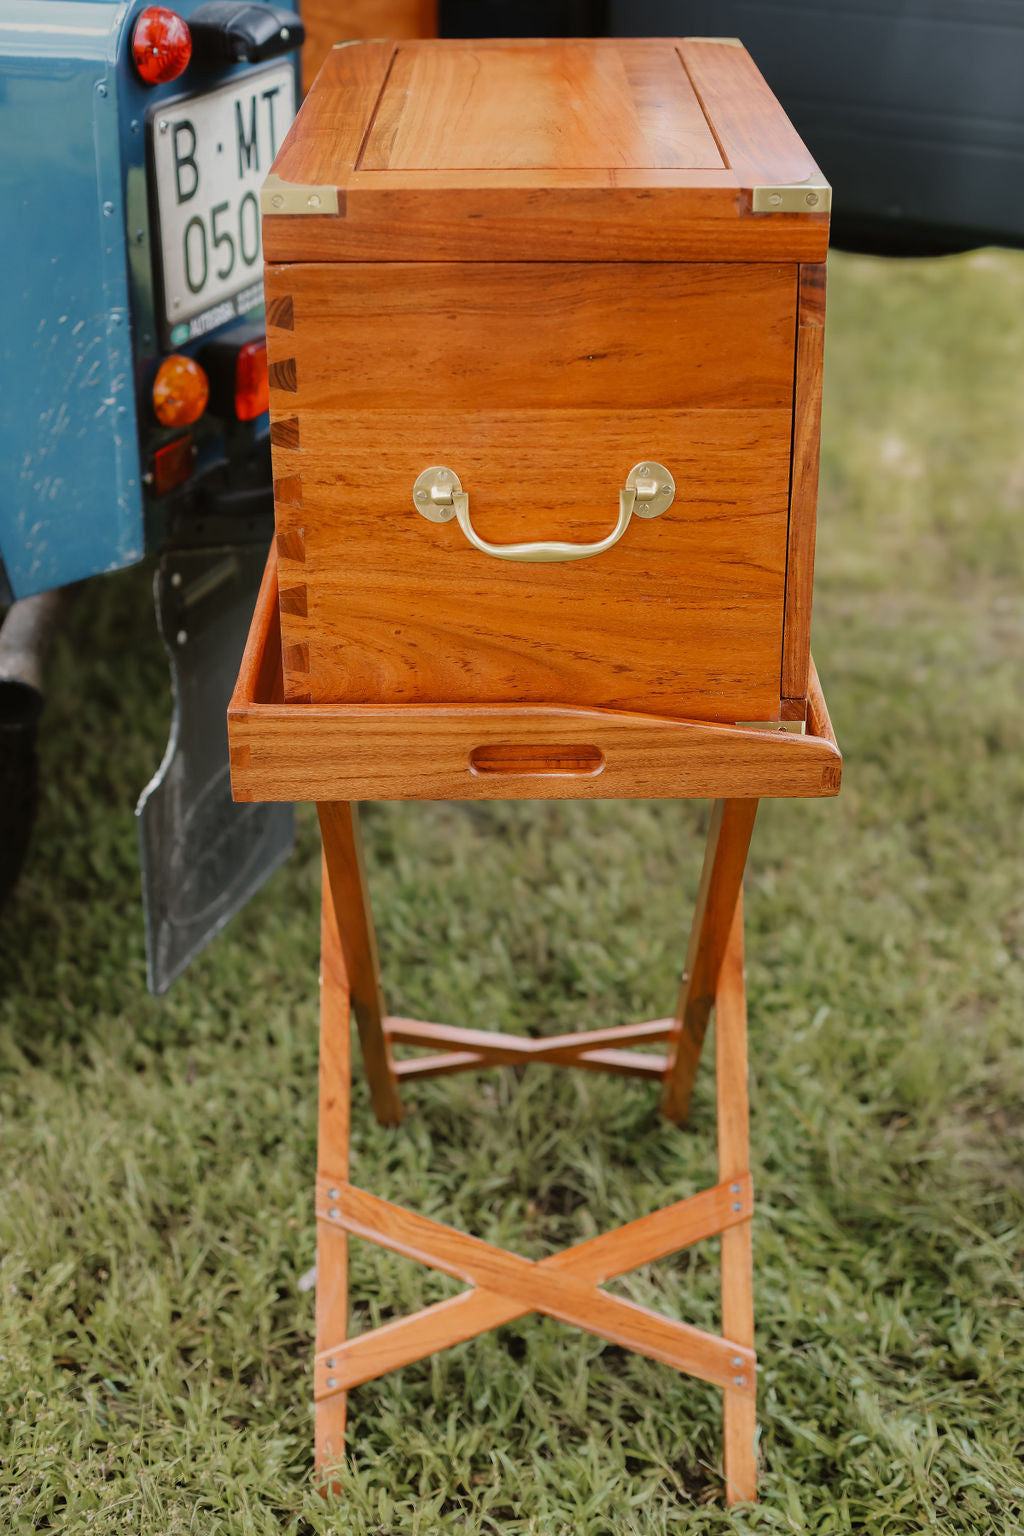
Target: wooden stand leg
x: 346, y: 873
x: 739, y: 1409
x: 332, y: 1163
x: 566, y: 1285
x: 732, y: 822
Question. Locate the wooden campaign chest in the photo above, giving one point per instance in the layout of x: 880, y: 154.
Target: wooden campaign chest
x: 545, y: 323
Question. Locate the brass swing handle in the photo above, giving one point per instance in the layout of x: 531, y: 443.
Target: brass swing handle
x: 439, y: 496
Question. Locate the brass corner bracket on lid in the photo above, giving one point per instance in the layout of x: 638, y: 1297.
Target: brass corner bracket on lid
x: 811, y: 196
x: 791, y: 727
x: 277, y: 196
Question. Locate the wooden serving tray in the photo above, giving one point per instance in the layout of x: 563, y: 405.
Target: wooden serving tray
x: 329, y: 752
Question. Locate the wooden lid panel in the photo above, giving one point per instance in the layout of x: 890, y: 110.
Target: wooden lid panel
x: 567, y: 105
x: 323, y: 143
x: 557, y: 150
x: 759, y: 142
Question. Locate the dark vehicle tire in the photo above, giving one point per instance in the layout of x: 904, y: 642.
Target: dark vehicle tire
x: 20, y: 708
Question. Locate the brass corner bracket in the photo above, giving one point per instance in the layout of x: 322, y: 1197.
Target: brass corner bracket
x: 277, y: 196
x: 811, y: 196
x: 790, y: 727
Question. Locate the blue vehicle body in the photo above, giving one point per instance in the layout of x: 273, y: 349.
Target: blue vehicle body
x: 71, y: 500
x: 89, y: 479
x: 80, y: 338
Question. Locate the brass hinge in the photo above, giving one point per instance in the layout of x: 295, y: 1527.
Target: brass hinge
x: 811, y: 196
x: 792, y: 727
x: 277, y: 196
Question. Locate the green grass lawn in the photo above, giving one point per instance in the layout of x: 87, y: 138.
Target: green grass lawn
x: 158, y: 1156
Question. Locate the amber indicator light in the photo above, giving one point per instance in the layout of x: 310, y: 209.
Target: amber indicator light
x: 161, y: 45
x: 252, y: 383
x: 180, y: 391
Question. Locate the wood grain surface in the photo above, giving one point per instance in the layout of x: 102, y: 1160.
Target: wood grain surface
x: 595, y: 1050
x: 553, y: 1289
x: 757, y: 140
x: 541, y: 386
x: 803, y: 499
x: 332, y: 1157
x: 739, y: 1408
x: 573, y: 106
x: 345, y: 869
x: 462, y: 1317
x: 282, y: 751
x: 458, y: 150
x: 721, y: 884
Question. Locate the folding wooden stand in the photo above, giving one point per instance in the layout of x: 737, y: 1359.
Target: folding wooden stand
x: 338, y: 754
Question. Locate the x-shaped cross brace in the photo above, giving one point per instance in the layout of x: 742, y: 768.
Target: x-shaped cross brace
x: 567, y: 1285
x: 506, y: 1287
x: 598, y: 1050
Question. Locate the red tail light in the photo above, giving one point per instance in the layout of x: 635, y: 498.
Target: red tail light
x: 172, y: 464
x: 252, y: 384
x: 161, y: 45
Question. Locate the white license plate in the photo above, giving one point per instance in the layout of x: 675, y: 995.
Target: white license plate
x: 210, y: 155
